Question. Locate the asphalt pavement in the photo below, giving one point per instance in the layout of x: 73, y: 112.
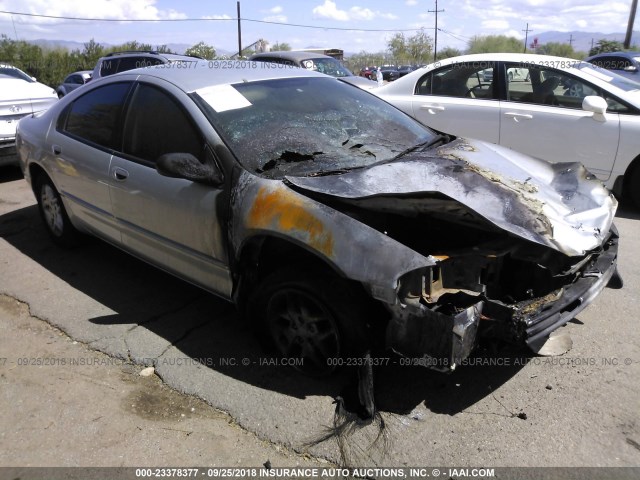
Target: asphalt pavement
x: 505, y: 407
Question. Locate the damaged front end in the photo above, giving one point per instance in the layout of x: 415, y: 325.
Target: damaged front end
x: 516, y: 247
x: 442, y: 311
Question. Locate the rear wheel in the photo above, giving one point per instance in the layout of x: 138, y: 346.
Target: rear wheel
x: 54, y: 214
x: 315, y: 319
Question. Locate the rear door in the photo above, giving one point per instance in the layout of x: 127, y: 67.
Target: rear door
x: 543, y: 117
x: 83, y: 142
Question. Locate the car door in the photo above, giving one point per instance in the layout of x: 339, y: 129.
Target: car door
x: 543, y: 117
x: 459, y: 99
x: 82, y: 144
x: 172, y: 222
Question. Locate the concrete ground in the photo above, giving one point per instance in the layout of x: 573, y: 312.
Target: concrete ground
x: 508, y: 408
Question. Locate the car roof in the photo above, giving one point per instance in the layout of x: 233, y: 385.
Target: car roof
x: 614, y: 54
x: 150, y: 53
x: 289, y: 55
x: 209, y: 73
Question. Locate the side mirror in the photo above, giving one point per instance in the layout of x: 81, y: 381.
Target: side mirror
x: 185, y: 165
x: 596, y: 105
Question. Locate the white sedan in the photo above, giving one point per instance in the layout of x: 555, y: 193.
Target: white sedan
x: 20, y: 95
x: 554, y: 108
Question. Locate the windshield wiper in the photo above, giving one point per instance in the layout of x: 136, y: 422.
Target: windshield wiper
x: 425, y: 145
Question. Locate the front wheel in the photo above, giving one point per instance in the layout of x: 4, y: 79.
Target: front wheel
x: 54, y: 214
x: 632, y: 187
x: 315, y: 320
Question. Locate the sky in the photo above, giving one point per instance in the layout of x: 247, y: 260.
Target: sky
x: 216, y: 20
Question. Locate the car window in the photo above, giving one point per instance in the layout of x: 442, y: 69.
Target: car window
x: 75, y: 79
x: 328, y: 66
x: 156, y: 125
x: 129, y: 63
x: 94, y: 116
x: 544, y: 86
x: 463, y: 80
x: 108, y: 67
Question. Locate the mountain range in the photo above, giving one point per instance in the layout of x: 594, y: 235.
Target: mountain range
x: 581, y: 41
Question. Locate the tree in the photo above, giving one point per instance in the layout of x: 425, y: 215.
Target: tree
x: 604, y: 46
x: 163, y: 49
x: 203, y: 50
x: 280, y: 47
x: 447, y: 52
x: 92, y: 52
x: 494, y: 44
x: 417, y: 48
x: 557, y: 49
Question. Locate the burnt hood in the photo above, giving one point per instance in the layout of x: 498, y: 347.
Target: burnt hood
x: 561, y: 206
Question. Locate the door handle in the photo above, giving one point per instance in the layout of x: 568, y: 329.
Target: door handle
x: 56, y: 149
x: 518, y: 116
x: 432, y: 109
x: 120, y: 173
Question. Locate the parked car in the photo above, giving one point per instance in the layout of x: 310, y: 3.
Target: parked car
x: 366, y: 72
x: 389, y: 73
x: 73, y: 81
x: 404, y: 69
x: 280, y: 189
x: 563, y: 109
x: 315, y: 62
x: 127, y: 60
x: 20, y: 95
x: 626, y: 64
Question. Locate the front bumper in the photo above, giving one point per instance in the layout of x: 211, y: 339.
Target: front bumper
x: 443, y: 340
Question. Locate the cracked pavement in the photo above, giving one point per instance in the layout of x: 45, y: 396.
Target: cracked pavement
x: 581, y: 410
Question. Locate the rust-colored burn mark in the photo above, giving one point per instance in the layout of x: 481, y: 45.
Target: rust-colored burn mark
x: 285, y: 211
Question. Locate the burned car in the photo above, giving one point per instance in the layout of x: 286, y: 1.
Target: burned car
x: 334, y: 221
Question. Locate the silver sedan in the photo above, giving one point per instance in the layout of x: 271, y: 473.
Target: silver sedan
x: 337, y: 223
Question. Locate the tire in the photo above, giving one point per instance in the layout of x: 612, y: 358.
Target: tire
x: 54, y: 214
x: 314, y: 317
x: 632, y: 187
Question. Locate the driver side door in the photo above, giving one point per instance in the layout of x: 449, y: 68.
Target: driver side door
x: 171, y: 222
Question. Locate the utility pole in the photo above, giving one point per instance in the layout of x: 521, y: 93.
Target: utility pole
x: 435, y: 45
x: 571, y: 40
x: 239, y: 33
x: 526, y: 37
x: 632, y: 17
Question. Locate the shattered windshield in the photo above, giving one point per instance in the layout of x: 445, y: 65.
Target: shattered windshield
x: 308, y: 126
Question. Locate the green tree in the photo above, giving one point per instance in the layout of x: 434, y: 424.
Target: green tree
x: 604, y: 46
x: 365, y: 59
x: 203, y: 50
x: 91, y: 53
x: 448, y: 52
x: 494, y: 44
x: 163, y: 49
x: 280, y: 47
x: 557, y: 49
x: 417, y: 48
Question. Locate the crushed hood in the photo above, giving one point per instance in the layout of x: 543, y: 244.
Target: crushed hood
x: 561, y: 206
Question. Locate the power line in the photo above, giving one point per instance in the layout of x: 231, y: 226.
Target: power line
x: 151, y: 20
